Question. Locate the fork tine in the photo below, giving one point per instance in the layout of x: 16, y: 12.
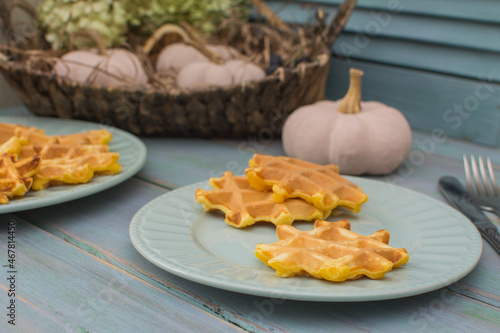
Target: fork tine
x: 468, y: 176
x: 489, y: 191
x: 477, y: 180
x: 492, y: 177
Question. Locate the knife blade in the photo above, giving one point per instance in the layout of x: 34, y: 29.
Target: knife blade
x: 455, y: 193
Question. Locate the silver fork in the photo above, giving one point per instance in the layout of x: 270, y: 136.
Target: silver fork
x: 481, y: 183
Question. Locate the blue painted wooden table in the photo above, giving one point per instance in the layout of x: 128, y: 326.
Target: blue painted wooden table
x: 78, y: 271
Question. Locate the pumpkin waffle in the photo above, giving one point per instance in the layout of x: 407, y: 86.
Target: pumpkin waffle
x: 12, y: 146
x: 7, y: 131
x: 16, y: 175
x: 321, y: 185
x: 332, y: 252
x: 244, y: 206
x: 64, y: 159
x: 70, y: 164
x: 36, y: 135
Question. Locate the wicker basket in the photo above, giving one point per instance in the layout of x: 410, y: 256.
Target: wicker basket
x: 238, y: 111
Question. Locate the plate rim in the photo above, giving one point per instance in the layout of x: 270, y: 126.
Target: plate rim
x: 113, y: 180
x: 255, y: 291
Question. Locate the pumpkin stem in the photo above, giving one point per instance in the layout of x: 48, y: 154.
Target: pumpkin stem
x: 351, y: 103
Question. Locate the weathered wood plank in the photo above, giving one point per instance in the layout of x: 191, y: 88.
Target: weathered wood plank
x: 65, y: 288
x: 437, y: 58
x: 479, y: 10
x: 448, y: 147
x: 393, y: 21
x: 186, y: 161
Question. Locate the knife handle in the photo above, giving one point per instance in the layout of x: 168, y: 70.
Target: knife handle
x: 491, y: 235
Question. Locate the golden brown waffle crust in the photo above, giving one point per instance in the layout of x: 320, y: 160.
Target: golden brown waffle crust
x: 244, y: 206
x: 62, y: 159
x: 320, y: 185
x: 332, y: 252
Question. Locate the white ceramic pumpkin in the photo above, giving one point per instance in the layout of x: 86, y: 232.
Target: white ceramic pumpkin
x: 200, y: 74
x: 359, y: 137
x: 117, y: 67
x: 177, y: 55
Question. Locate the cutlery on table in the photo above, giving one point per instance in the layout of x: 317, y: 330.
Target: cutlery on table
x: 459, y: 198
x: 481, y: 183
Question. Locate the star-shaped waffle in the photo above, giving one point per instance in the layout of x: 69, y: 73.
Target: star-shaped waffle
x: 16, y: 176
x: 244, y: 206
x: 38, y: 136
x: 289, y: 177
x: 332, y: 252
x: 70, y: 163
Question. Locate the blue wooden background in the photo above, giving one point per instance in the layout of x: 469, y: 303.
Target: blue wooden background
x: 437, y: 61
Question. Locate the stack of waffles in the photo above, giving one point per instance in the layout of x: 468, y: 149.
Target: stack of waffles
x: 280, y: 190
x: 30, y: 159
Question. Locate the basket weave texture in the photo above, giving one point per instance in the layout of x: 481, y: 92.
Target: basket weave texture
x: 230, y: 112
x: 237, y: 111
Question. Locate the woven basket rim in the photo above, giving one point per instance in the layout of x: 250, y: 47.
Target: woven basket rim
x: 320, y: 60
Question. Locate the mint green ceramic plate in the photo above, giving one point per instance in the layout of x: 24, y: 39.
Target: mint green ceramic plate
x: 132, y: 158
x: 174, y: 233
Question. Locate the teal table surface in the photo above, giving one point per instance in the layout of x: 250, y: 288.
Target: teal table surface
x: 77, y: 270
